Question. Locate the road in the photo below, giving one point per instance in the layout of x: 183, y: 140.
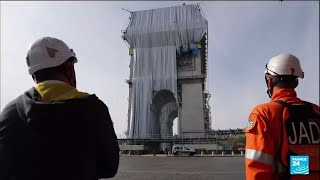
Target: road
x: 180, y: 168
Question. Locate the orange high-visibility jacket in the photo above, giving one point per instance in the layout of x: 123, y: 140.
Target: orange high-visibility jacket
x: 263, y: 140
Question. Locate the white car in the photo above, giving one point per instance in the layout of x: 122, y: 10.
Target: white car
x: 180, y: 149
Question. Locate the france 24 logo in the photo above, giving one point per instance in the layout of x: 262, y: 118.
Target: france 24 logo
x: 299, y: 164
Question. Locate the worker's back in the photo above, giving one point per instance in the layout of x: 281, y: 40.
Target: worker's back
x: 71, y: 139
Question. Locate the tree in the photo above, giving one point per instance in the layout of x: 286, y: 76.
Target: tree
x: 234, y: 140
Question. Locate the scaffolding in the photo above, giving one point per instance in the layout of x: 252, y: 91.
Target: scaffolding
x: 209, y: 137
x: 154, y: 37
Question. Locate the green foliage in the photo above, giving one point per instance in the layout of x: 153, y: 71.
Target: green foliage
x: 234, y: 140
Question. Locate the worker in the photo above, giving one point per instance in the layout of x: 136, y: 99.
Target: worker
x: 53, y: 131
x: 282, y: 128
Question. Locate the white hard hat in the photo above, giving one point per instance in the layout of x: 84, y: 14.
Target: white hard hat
x: 48, y: 52
x: 284, y: 64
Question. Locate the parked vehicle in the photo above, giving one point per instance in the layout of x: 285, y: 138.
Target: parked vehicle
x: 181, y: 149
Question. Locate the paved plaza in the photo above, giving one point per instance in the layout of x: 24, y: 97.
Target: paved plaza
x: 163, y: 167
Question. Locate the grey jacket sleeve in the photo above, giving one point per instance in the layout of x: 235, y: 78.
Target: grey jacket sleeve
x: 108, y: 148
x: 8, y: 129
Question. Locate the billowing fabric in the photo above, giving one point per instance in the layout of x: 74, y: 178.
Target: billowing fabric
x: 154, y: 69
x: 267, y: 141
x: 172, y: 26
x: 69, y: 139
x: 155, y: 35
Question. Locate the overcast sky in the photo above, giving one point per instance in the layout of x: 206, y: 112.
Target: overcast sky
x: 243, y: 36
